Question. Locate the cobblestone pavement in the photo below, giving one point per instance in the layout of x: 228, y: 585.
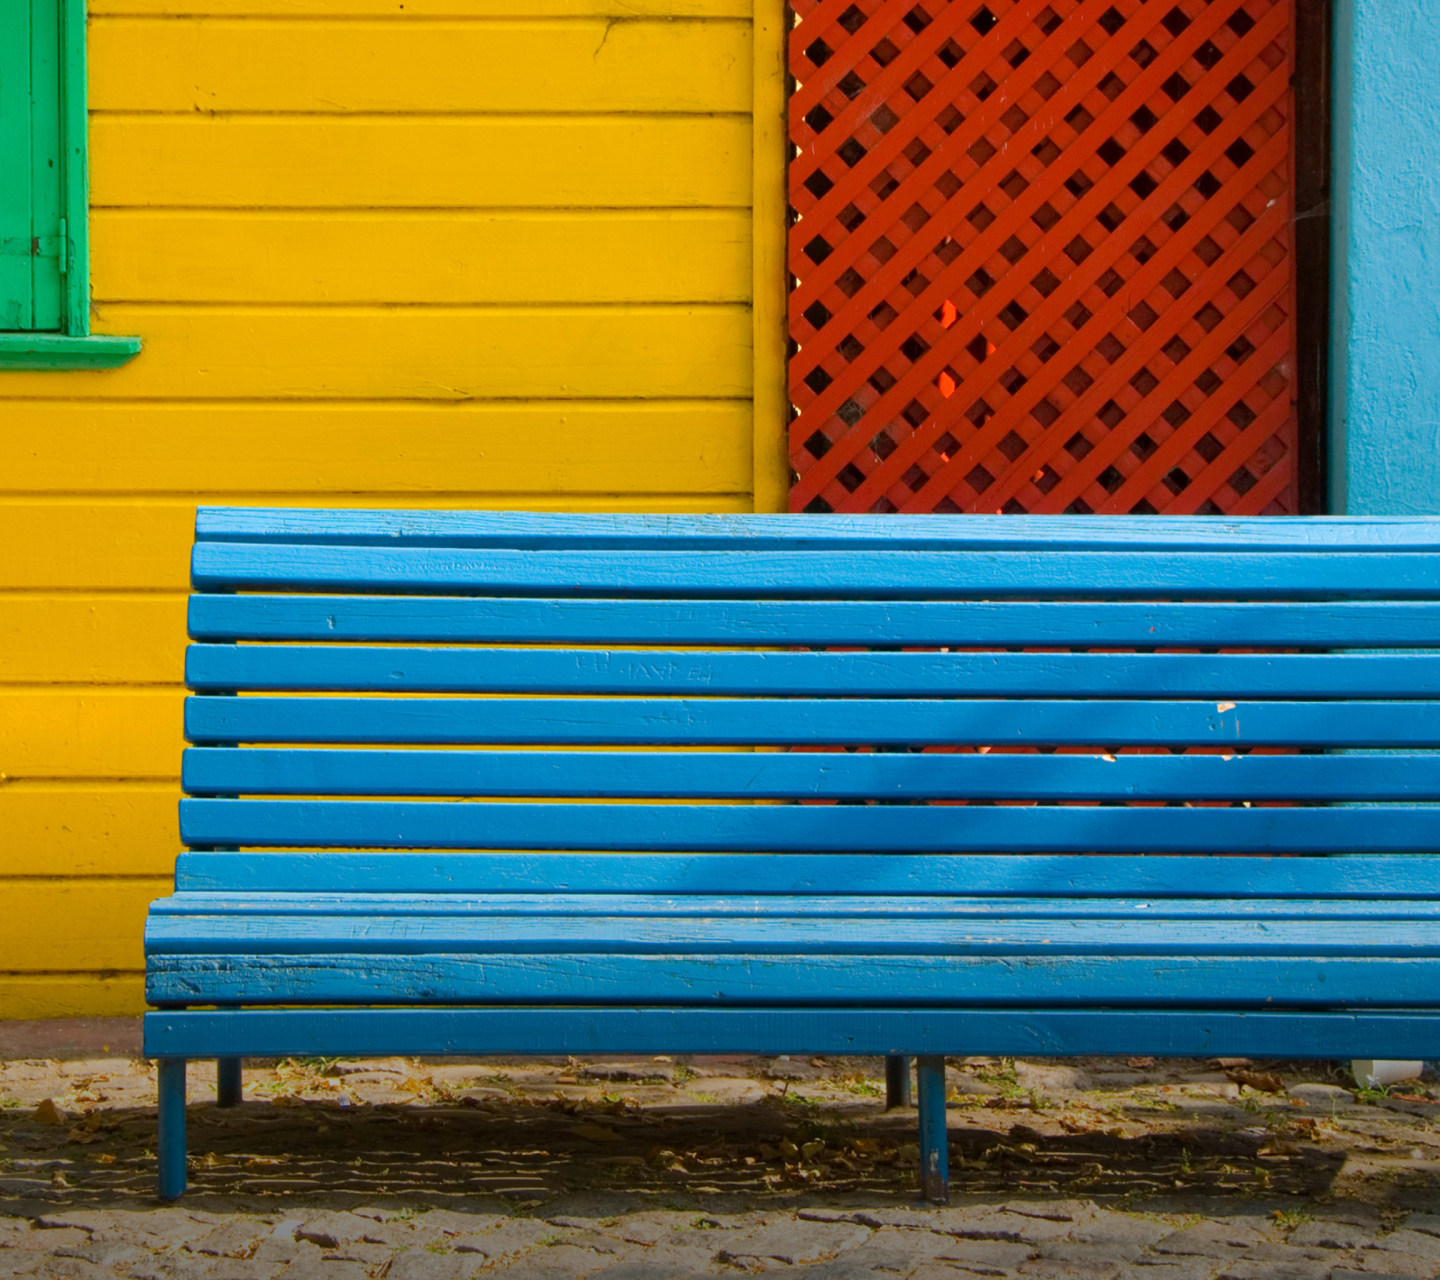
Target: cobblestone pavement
x: 659, y: 1168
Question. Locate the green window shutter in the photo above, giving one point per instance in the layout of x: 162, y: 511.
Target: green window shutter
x: 44, y: 194
x: 32, y: 244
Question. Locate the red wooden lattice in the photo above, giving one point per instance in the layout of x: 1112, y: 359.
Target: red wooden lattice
x: 1041, y: 257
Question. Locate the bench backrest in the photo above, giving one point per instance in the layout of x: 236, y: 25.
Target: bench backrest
x: 576, y: 700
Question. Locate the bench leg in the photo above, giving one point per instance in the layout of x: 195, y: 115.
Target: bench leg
x: 172, y: 1128
x: 228, y: 1089
x: 934, y: 1143
x: 897, y: 1081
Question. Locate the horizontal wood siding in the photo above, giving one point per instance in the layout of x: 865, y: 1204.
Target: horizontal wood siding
x: 490, y: 254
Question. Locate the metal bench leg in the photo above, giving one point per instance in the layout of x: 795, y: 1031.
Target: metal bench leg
x: 172, y: 1128
x: 228, y: 1089
x: 934, y: 1144
x: 897, y: 1081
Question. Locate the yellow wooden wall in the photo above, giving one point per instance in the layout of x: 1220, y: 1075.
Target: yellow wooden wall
x: 437, y: 253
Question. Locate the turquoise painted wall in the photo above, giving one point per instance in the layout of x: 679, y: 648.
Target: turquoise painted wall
x: 1385, y: 356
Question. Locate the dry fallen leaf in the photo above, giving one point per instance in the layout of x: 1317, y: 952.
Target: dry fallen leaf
x: 104, y: 1157
x: 48, y: 1113
x: 210, y: 1160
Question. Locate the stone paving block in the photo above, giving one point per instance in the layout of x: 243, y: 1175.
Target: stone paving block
x: 986, y: 1257
x: 1346, y: 1273
x: 330, y: 1230
x: 229, y: 1269
x: 1429, y: 1223
x: 71, y: 1269
x: 640, y: 1270
x: 1421, y: 1244
x: 909, y: 1218
x: 1270, y: 1251
x: 48, y: 1241
x: 792, y: 1242
x: 682, y: 1260
x: 18, y: 1262
x: 1247, y: 1269
x: 1053, y: 1269
x: 1176, y: 1268
x: 560, y: 1260
x: 1322, y: 1095
x: 941, y: 1271
x: 513, y: 1236
x: 1119, y: 1230
x: 871, y: 1261
x: 1067, y: 1251
x: 1052, y: 1210
x: 112, y: 1253
x: 234, y: 1240
x: 369, y: 1255
x: 421, y: 1264
x: 988, y: 1223
x: 1331, y: 1235
x: 641, y: 1233
x: 281, y: 1249
x: 1213, y: 1238
x: 319, y: 1269
x: 1385, y: 1261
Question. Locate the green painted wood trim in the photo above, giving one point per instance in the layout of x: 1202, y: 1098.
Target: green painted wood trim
x: 65, y: 351
x: 74, y: 157
x: 73, y: 346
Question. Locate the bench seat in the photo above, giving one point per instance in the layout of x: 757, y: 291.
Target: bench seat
x: 492, y: 783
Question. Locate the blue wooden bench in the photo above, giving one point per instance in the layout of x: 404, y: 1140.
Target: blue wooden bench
x: 395, y: 847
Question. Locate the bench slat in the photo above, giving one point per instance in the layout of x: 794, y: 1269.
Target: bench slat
x: 803, y: 721
x: 877, y: 1028
x: 535, y: 529
x: 1329, y: 624
x: 909, y: 675
x: 1405, y: 876
x: 377, y: 932
x: 1208, y: 982
x: 819, y: 828
x: 838, y: 907
x: 1283, y: 575
x: 789, y: 775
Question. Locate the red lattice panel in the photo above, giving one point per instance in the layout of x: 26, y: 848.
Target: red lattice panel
x: 1041, y: 257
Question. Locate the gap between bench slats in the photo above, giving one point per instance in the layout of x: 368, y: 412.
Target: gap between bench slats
x: 1320, y: 625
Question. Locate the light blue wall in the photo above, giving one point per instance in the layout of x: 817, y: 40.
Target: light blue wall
x: 1385, y: 327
